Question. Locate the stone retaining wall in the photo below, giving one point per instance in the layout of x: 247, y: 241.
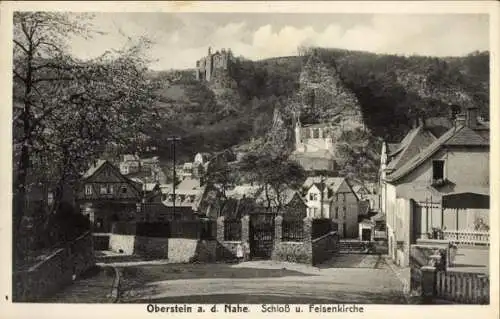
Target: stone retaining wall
x: 122, y: 243
x: 55, y: 271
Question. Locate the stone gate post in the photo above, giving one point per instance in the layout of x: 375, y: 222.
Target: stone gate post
x: 428, y: 283
x: 220, y: 229
x: 308, y: 239
x: 278, y: 230
x: 245, y: 229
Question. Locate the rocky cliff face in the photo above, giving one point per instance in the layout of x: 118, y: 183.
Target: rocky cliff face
x: 323, y: 98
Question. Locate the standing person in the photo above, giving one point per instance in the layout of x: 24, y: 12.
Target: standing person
x: 246, y: 251
x: 239, y: 252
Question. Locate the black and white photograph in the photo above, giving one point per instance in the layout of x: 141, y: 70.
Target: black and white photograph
x: 321, y: 160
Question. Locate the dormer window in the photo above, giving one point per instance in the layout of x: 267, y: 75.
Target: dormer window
x: 313, y: 196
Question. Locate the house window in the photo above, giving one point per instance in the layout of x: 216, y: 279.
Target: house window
x: 106, y: 189
x: 124, y: 189
x: 88, y: 189
x: 313, y: 196
x: 343, y: 211
x: 315, y: 133
x: 437, y: 170
x: 336, y: 212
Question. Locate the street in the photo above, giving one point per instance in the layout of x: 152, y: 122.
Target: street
x: 366, y: 279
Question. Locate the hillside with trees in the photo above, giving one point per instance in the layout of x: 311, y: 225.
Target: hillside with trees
x: 390, y: 90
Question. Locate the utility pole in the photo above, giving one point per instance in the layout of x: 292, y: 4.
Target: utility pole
x: 173, y: 139
x: 322, y: 194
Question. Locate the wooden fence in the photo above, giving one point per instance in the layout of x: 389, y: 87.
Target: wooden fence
x: 467, y: 237
x: 462, y: 287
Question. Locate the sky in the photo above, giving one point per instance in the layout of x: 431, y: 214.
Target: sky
x: 179, y: 39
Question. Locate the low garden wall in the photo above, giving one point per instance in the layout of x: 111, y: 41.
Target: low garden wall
x: 55, y: 271
x: 165, y: 241
x: 304, y: 248
x: 122, y: 243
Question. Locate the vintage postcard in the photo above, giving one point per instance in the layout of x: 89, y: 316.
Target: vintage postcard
x: 249, y: 158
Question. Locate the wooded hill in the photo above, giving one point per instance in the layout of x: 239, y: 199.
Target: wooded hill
x: 390, y: 90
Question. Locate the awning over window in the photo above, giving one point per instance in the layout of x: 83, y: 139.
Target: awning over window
x: 466, y: 200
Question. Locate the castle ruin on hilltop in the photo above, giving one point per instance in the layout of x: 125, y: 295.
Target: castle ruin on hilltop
x: 214, y: 68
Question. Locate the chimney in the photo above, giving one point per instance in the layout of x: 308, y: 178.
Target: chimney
x: 454, y: 111
x: 460, y: 119
x: 471, y: 116
x: 414, y: 122
x: 421, y: 121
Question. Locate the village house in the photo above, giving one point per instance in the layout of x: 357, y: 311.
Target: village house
x: 290, y: 204
x: 106, y: 196
x: 333, y: 198
x: 243, y: 191
x: 431, y: 182
x: 130, y: 164
x: 190, y: 200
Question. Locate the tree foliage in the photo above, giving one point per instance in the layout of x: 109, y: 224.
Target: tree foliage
x: 66, y: 111
x: 357, y: 155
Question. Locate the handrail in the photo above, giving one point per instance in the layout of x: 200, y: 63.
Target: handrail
x: 324, y: 236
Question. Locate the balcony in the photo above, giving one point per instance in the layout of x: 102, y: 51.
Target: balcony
x: 438, y: 182
x: 467, y: 237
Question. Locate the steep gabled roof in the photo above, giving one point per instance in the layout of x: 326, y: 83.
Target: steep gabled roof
x: 99, y: 164
x: 467, y: 137
x: 333, y: 183
x: 94, y: 168
x: 460, y: 136
x: 287, y: 195
x: 413, y: 143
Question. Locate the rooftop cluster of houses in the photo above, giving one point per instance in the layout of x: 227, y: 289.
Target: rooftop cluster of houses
x: 108, y: 195
x: 436, y: 177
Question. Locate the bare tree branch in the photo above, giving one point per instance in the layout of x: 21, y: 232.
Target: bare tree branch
x: 21, y: 46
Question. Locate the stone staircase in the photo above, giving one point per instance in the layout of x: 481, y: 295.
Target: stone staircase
x: 351, y: 246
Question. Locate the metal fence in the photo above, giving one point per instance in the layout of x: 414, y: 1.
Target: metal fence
x: 232, y: 229
x: 123, y: 228
x: 153, y: 230
x: 191, y: 229
x: 292, y: 230
x: 208, y: 230
x: 321, y: 227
